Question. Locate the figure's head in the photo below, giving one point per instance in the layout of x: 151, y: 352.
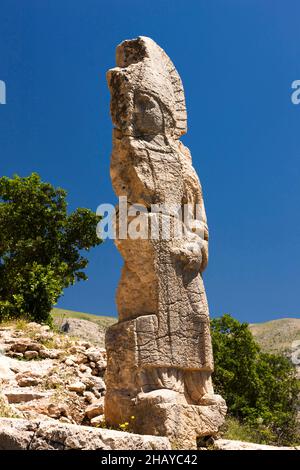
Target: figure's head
x: 146, y: 91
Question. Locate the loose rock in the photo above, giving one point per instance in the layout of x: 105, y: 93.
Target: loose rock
x: 95, y: 409
x: 77, y: 387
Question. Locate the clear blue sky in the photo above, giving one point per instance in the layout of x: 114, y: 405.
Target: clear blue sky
x: 237, y: 60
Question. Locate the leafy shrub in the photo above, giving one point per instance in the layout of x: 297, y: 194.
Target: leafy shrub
x: 40, y: 246
x: 261, y: 390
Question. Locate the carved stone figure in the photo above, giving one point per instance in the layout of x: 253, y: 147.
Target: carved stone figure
x: 159, y: 353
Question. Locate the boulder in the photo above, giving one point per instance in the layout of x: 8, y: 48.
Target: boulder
x: 5, y: 371
x: 56, y: 411
x: 93, y: 382
x: 77, y: 387
x: 31, y: 355
x: 16, y: 434
x: 69, y: 362
x: 25, y: 344
x: 95, y: 409
x: 50, y: 353
x: 89, y: 397
x: 26, y: 380
x: 81, y: 358
x: 21, y: 434
x: 20, y: 396
x: 227, y: 444
x: 98, y: 421
x: 94, y: 354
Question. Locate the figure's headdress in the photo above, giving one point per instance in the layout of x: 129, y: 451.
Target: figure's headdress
x: 146, y: 89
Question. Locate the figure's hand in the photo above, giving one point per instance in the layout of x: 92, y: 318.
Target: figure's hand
x: 204, y: 252
x: 190, y: 254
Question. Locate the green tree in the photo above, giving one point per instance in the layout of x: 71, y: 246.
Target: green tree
x: 41, y: 246
x: 260, y: 389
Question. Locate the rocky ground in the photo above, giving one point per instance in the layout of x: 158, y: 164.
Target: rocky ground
x: 46, y: 375
x: 21, y: 434
x: 52, y: 392
x: 83, y: 329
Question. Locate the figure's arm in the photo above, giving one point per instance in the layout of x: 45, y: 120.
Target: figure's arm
x: 194, y: 248
x: 205, y: 236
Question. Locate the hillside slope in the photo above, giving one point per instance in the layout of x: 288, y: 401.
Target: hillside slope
x: 101, y: 320
x: 276, y: 336
x: 85, y: 326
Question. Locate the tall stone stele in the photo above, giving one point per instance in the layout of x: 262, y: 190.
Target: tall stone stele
x: 159, y: 353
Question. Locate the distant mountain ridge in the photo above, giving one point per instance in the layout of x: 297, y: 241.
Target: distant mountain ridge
x: 277, y: 336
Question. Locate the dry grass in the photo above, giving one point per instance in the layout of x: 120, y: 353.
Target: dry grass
x: 5, y: 409
x: 101, y: 320
x: 276, y: 336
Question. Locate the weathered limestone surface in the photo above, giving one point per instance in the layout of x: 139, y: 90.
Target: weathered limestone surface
x: 227, y: 444
x: 62, y: 385
x: 21, y: 434
x: 159, y: 353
